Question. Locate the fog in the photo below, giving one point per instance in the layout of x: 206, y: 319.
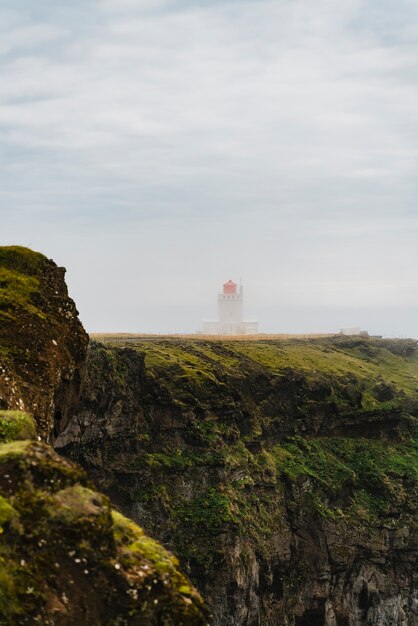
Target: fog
x: 157, y: 149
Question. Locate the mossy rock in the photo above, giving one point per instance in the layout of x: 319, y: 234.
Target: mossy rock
x: 15, y: 425
x: 66, y: 557
x: 42, y: 342
x: 7, y: 513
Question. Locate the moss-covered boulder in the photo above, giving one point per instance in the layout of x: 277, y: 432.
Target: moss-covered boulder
x: 42, y: 342
x: 67, y: 558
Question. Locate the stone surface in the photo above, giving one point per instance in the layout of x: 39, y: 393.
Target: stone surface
x: 42, y: 342
x: 66, y: 558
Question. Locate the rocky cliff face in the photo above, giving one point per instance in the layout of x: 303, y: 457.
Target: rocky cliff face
x: 283, y: 474
x: 42, y: 342
x: 66, y: 557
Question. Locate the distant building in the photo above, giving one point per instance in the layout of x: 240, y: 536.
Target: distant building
x: 354, y: 331
x: 230, y: 314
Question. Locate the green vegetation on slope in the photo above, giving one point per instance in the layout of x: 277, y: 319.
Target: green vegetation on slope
x: 345, y: 478
x: 321, y: 428
x: 19, y: 284
x: 354, y: 482
x: 198, y: 369
x: 22, y: 308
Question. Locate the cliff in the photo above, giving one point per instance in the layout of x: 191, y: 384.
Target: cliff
x: 282, y: 473
x: 66, y: 557
x: 42, y: 342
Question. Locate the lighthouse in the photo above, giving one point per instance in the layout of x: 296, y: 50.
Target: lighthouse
x: 230, y: 304
x: 230, y: 313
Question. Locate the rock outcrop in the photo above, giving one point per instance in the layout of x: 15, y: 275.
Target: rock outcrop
x: 42, y: 342
x: 283, y: 474
x: 66, y: 557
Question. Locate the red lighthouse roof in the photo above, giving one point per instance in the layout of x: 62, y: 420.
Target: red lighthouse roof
x: 230, y: 287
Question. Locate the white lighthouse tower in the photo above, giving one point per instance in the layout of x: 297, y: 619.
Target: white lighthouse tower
x: 230, y: 304
x: 230, y: 313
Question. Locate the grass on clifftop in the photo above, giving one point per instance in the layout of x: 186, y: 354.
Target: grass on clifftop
x: 22, y: 260
x: 196, y: 369
x: 19, y: 285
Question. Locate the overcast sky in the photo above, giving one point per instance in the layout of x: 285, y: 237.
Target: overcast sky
x: 157, y: 148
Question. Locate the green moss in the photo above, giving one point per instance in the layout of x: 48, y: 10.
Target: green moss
x: 18, y: 283
x: 7, y: 513
x: 189, y: 373
x: 134, y: 542
x: 236, y: 403
x: 22, y: 259
x: 12, y: 450
x: 125, y: 530
x: 117, y: 368
x: 208, y: 513
x: 62, y: 536
x: 9, y: 603
x: 18, y: 291
x: 149, y: 549
x: 331, y: 478
x: 21, y: 299
x: 346, y: 371
x: 15, y: 425
x: 178, y: 459
x: 74, y: 503
x: 371, y: 474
